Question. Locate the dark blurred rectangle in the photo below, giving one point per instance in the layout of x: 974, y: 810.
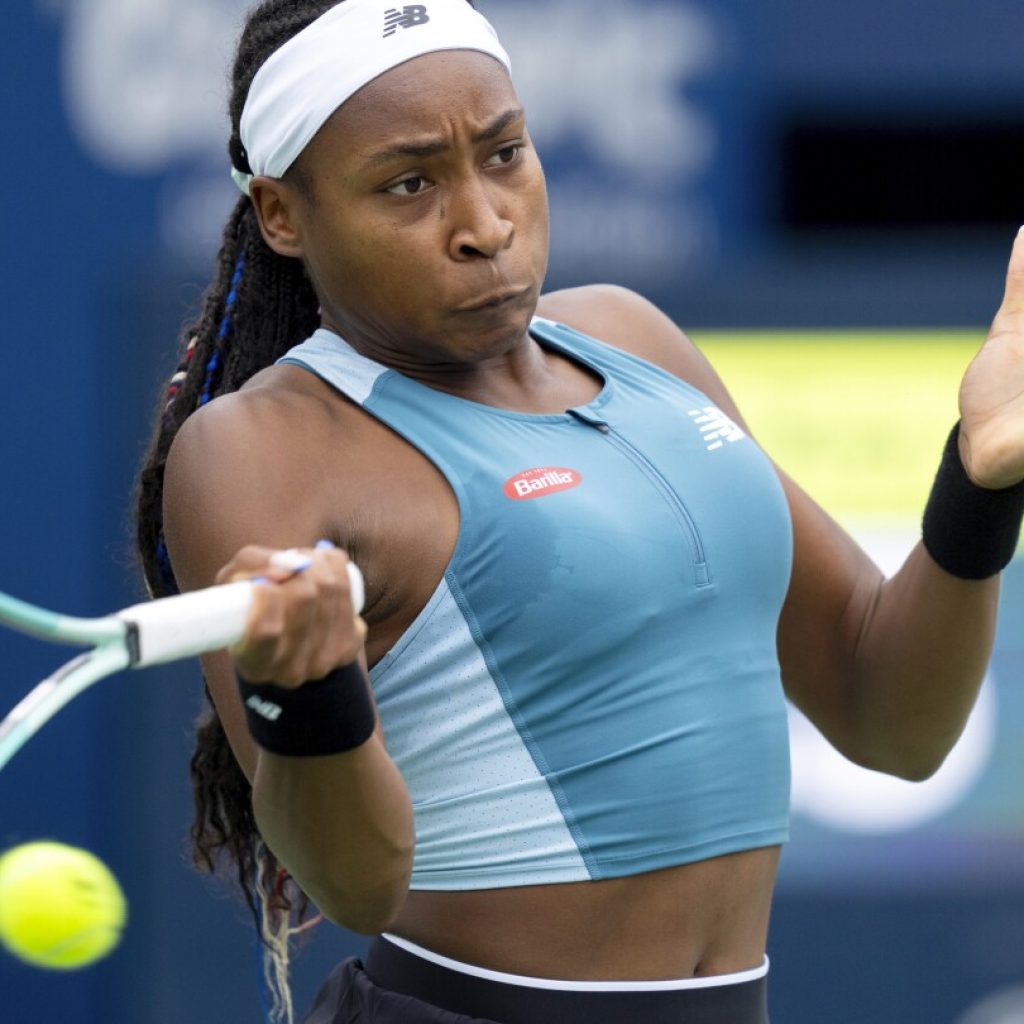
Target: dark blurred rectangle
x: 879, y: 169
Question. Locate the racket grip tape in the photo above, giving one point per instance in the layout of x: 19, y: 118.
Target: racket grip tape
x: 202, y: 620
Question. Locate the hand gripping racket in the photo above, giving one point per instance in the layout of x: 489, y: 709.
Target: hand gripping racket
x: 150, y: 633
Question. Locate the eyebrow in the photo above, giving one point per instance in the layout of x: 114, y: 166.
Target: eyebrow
x: 431, y: 147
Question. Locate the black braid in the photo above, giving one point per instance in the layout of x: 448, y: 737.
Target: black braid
x: 274, y: 308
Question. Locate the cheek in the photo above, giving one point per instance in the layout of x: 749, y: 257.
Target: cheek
x: 540, y: 226
x: 384, y: 275
x: 536, y: 212
x: 354, y: 259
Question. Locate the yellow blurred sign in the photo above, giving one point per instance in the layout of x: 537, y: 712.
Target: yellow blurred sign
x: 857, y: 418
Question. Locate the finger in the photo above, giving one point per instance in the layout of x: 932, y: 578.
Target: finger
x: 339, y: 631
x: 245, y: 564
x: 292, y: 560
x: 256, y: 653
x: 361, y: 630
x: 338, y: 608
x: 344, y: 569
x: 305, y: 621
x: 1013, y: 298
x: 305, y: 625
x: 283, y: 565
x: 276, y: 565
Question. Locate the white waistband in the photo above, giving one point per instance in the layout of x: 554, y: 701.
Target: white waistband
x: 711, y: 981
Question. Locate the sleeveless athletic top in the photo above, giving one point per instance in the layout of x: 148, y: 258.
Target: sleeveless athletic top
x: 593, y: 689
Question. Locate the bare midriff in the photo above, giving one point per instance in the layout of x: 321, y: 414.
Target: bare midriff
x: 694, y: 920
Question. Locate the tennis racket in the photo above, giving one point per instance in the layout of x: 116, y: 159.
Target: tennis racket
x: 150, y: 633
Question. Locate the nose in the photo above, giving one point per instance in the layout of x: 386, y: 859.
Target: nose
x: 480, y: 229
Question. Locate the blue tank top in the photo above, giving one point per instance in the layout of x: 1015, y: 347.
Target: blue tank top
x: 593, y: 689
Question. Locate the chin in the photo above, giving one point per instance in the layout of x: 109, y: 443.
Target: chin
x: 496, y: 328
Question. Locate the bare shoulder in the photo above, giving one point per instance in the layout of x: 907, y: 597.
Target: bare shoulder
x: 627, y: 320
x: 239, y: 466
x: 258, y: 421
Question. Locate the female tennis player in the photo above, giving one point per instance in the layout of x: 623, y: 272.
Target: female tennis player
x: 549, y: 772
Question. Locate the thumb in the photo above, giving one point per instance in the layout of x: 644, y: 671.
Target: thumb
x: 1013, y: 298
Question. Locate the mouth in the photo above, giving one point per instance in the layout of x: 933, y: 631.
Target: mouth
x: 492, y: 300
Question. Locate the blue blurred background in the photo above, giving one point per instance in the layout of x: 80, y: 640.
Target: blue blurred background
x: 746, y: 165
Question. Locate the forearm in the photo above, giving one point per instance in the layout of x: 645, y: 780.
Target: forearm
x: 919, y: 660
x: 927, y: 637
x: 327, y: 798
x: 343, y: 827
x: 888, y: 670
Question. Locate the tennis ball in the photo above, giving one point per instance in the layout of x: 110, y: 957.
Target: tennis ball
x: 60, y: 907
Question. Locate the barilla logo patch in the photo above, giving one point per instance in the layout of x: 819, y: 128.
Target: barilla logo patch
x: 535, y: 483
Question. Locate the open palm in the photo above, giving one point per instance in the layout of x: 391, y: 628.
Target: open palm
x: 992, y: 391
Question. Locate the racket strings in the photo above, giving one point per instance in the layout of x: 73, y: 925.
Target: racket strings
x: 53, y: 693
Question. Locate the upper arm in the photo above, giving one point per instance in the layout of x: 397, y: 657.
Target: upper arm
x: 833, y: 584
x: 228, y: 484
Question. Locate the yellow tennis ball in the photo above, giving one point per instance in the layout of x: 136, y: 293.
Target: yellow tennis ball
x: 60, y: 906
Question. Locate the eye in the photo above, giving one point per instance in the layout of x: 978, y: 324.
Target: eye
x: 410, y: 186
x: 505, y: 155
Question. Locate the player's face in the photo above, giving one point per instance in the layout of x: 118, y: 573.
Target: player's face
x: 427, y: 233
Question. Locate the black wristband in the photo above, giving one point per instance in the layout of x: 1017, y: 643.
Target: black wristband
x: 325, y: 716
x: 970, y: 531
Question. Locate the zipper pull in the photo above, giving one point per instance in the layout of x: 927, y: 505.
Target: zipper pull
x: 585, y: 416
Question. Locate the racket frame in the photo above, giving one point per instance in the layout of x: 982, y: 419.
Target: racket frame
x: 150, y: 633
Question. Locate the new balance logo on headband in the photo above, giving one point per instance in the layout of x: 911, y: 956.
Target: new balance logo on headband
x: 407, y: 17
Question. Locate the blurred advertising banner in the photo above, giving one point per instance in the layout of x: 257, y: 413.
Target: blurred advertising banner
x: 721, y: 157
x: 608, y: 87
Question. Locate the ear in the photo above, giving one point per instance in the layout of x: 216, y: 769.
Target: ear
x: 276, y: 204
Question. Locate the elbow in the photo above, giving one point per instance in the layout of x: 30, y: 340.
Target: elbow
x: 371, y: 924
x: 922, y: 766
x: 366, y: 913
x: 906, y: 745
x: 910, y: 761
x: 368, y: 902
x: 911, y: 770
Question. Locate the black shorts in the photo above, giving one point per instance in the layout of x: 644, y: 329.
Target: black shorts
x: 396, y: 986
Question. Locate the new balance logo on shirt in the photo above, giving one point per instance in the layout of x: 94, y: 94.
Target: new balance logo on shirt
x: 407, y: 17
x: 715, y: 427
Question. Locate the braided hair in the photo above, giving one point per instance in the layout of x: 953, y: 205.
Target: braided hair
x: 258, y: 305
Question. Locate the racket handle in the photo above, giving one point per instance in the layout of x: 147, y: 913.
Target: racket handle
x: 203, y: 620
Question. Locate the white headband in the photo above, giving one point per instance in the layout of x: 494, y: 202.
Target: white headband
x: 309, y: 77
